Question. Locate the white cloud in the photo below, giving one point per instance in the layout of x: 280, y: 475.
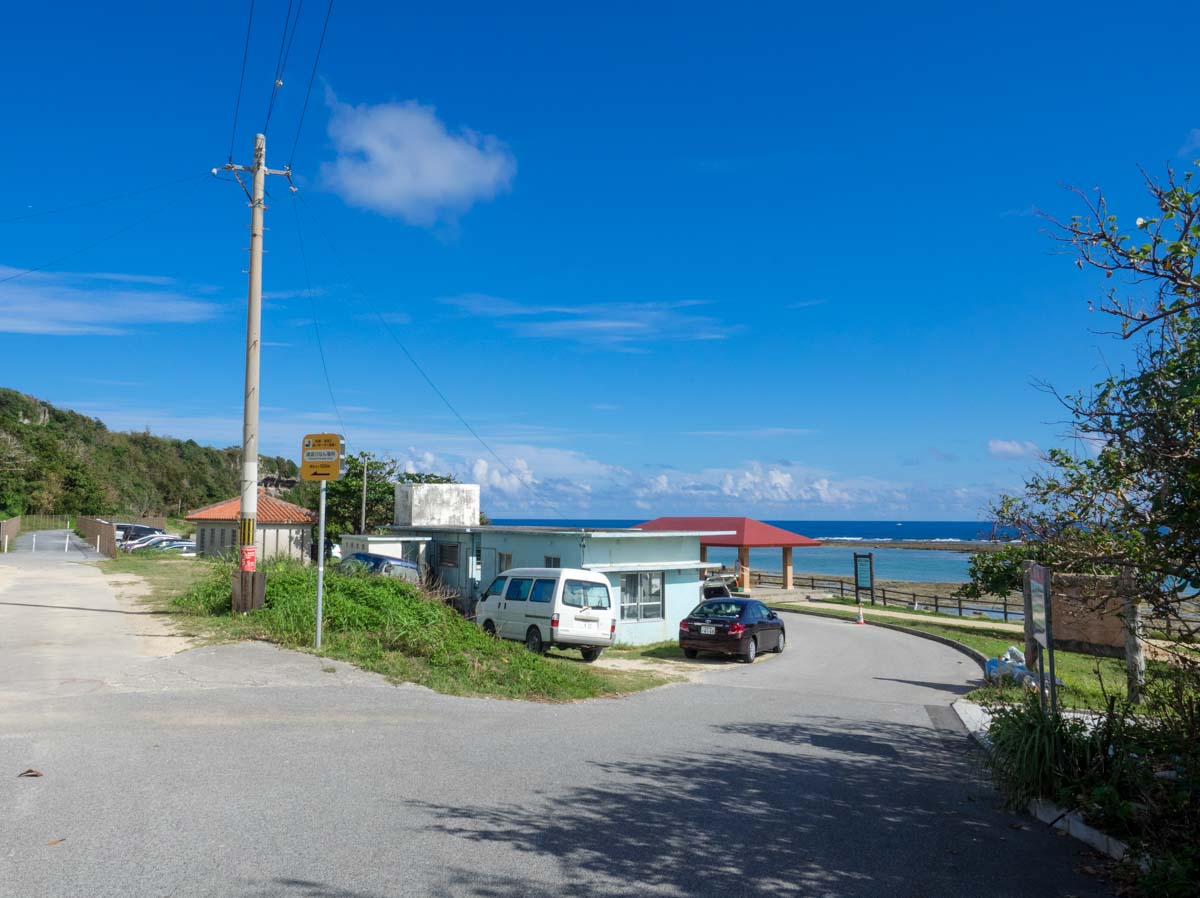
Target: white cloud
x: 615, y: 325
x: 1012, y: 449
x: 1191, y: 143
x: 400, y: 160
x: 70, y: 304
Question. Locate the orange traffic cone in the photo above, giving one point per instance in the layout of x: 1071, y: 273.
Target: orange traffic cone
x: 860, y: 617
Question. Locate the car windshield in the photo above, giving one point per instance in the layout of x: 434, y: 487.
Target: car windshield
x: 584, y: 594
x: 718, y: 609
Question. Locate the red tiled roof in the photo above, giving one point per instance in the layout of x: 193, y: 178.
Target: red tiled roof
x: 270, y: 511
x: 747, y: 532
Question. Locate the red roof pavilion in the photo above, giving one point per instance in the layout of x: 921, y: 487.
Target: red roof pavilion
x: 746, y: 534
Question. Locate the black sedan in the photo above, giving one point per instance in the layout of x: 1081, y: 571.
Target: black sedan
x: 739, y: 627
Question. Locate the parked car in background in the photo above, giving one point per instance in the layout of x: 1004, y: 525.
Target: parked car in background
x: 139, y: 531
x: 166, y: 544
x: 147, y: 542
x: 185, y: 548
x: 715, y: 588
x: 740, y: 627
x: 383, y: 565
x: 550, y: 606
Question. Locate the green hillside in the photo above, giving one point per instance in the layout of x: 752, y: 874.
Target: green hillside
x: 54, y: 461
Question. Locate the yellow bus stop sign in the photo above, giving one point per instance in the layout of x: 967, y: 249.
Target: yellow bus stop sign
x: 321, y: 456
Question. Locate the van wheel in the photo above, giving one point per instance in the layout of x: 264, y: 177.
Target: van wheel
x: 489, y: 628
x: 690, y: 653
x: 751, y: 651
x: 533, y: 641
x: 590, y: 653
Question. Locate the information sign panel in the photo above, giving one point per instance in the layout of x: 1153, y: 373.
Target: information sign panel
x: 1039, y: 599
x: 321, y: 456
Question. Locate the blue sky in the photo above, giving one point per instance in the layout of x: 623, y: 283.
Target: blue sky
x: 664, y: 257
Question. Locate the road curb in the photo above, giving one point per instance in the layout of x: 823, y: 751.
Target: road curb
x: 976, y: 720
x: 978, y: 657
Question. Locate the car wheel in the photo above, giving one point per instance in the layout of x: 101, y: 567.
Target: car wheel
x: 489, y: 628
x: 751, y: 651
x: 533, y: 641
x: 590, y: 654
x: 690, y: 653
x: 782, y: 642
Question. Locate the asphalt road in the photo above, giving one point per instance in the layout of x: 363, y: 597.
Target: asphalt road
x: 836, y: 768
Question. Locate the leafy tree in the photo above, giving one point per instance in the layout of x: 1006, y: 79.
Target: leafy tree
x: 1131, y: 503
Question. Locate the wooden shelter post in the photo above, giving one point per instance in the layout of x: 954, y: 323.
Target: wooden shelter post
x: 787, y: 567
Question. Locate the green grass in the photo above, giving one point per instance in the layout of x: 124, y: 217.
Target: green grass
x: 1087, y: 677
x: 668, y: 650
x: 924, y: 612
x: 167, y: 575
x: 379, y: 624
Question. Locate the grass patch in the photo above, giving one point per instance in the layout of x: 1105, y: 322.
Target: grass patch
x: 1088, y: 678
x: 167, y: 575
x: 390, y: 627
x: 657, y: 651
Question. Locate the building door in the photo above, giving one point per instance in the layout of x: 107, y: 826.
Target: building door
x: 488, y: 570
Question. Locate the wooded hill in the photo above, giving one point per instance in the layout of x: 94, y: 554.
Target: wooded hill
x: 54, y: 461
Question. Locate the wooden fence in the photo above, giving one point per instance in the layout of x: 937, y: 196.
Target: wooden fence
x: 45, y: 522
x: 100, y: 535
x: 1006, y: 609
x: 8, y: 532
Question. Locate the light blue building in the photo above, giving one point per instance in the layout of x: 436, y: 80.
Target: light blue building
x: 655, y: 576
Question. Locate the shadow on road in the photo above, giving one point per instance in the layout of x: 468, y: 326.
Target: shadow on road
x: 956, y: 688
x: 79, y: 608
x: 827, y: 807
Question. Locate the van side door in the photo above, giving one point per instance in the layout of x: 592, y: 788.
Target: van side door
x: 512, y: 608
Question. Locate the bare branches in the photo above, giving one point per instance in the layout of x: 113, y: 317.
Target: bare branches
x: 1165, y: 260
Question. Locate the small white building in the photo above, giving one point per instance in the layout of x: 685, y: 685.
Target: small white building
x: 655, y: 576
x: 282, y: 530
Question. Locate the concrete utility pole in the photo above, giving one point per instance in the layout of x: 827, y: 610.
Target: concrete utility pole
x: 362, y: 528
x: 249, y: 498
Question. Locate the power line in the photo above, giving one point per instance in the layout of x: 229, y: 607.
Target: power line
x: 241, y: 82
x: 387, y: 327
x: 101, y: 201
x: 112, y: 236
x: 281, y: 61
x: 316, y: 323
x: 311, y: 78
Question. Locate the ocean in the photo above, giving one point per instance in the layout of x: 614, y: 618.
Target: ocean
x: 920, y: 565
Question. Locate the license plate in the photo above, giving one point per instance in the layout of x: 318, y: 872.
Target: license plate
x: 586, y: 624
x: 708, y: 631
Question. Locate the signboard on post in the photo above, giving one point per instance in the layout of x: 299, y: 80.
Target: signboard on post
x: 1038, y: 595
x: 864, y: 575
x: 321, y: 458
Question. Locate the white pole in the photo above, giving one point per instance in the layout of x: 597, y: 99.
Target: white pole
x: 34, y: 549
x: 320, y: 561
x: 67, y: 542
x: 6, y: 544
x: 97, y: 543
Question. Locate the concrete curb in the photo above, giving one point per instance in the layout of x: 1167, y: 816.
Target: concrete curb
x: 978, y: 657
x: 976, y: 720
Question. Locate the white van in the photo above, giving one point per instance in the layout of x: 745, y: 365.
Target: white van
x: 545, y: 606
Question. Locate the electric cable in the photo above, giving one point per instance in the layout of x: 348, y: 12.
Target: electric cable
x: 316, y: 323
x: 241, y: 81
x: 102, y: 200
x: 112, y: 236
x: 311, y: 78
x: 280, y: 62
x: 433, y: 386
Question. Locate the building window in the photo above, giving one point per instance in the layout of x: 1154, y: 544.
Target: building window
x: 642, y: 596
x: 553, y: 561
x: 504, y: 560
x: 448, y: 554
x: 200, y: 540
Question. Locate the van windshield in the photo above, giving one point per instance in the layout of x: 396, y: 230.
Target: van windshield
x: 718, y: 609
x: 584, y: 594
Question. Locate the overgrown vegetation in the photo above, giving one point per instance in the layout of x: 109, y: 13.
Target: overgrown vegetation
x: 54, y: 461
x: 391, y: 627
x: 1125, y: 506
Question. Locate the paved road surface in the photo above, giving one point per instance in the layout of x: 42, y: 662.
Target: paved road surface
x: 834, y: 769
